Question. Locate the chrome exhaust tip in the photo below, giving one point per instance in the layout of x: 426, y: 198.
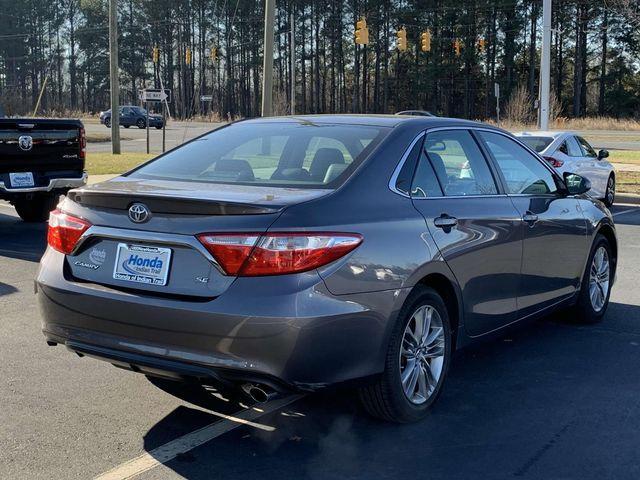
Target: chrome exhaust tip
x: 255, y: 392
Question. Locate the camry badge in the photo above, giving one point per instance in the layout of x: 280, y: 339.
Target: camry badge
x: 139, y: 213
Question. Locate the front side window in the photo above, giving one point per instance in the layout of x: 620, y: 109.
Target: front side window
x: 522, y: 171
x: 459, y: 164
x: 269, y: 154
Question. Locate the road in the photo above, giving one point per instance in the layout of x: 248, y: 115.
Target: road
x: 135, y: 139
x: 547, y: 400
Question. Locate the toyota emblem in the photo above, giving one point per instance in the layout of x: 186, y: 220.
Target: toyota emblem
x: 25, y: 142
x: 139, y: 213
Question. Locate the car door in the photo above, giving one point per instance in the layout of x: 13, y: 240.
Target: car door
x: 555, y: 231
x: 591, y: 167
x: 126, y: 116
x: 477, y: 229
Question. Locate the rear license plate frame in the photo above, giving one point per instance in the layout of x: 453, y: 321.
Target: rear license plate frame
x: 144, y: 272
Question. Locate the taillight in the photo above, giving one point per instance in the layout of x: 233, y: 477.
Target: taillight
x: 554, y: 162
x: 65, y: 231
x: 83, y: 143
x: 230, y: 250
x: 277, y: 253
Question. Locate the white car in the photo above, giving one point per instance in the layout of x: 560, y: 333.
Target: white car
x: 569, y: 152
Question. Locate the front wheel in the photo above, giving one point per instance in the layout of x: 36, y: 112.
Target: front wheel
x: 417, y: 361
x: 593, y: 298
x: 36, y: 209
x: 107, y: 123
x: 141, y: 123
x: 610, y: 193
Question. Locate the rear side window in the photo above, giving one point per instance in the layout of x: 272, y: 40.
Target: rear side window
x: 279, y: 154
x: 425, y: 182
x: 573, y: 147
x: 587, y: 150
x: 458, y: 163
x: 523, y: 172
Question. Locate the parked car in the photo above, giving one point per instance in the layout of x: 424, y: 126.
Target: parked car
x: 288, y: 254
x: 418, y: 113
x: 569, y: 152
x: 40, y: 160
x: 130, y: 115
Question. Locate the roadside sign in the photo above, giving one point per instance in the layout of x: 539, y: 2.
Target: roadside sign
x: 206, y: 98
x: 155, y: 95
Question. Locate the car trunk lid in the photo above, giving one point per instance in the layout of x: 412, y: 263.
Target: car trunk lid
x: 179, y: 211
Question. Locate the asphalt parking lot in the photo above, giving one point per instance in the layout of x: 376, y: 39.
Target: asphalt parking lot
x: 547, y: 400
x: 135, y: 139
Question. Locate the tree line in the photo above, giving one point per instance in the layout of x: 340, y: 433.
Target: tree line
x: 214, y: 47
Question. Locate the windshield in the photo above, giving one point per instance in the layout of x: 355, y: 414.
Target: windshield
x: 269, y: 154
x: 537, y: 144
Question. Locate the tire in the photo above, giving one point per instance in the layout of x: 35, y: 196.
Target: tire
x: 36, y: 209
x: 141, y: 123
x: 386, y: 398
x: 158, y: 127
x: 587, y: 310
x: 610, y: 193
x: 126, y: 126
x: 107, y: 123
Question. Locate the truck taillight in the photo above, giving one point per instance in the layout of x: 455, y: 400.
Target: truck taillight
x: 554, y: 162
x: 250, y: 254
x: 83, y: 143
x: 65, y: 231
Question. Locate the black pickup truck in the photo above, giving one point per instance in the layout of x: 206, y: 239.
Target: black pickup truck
x: 40, y: 159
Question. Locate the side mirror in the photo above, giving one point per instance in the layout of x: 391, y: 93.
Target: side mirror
x: 603, y: 154
x: 576, y: 184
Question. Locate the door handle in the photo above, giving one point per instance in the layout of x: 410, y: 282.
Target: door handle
x: 530, y: 218
x: 445, y: 221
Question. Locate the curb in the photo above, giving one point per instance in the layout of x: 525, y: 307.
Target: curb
x: 629, y: 198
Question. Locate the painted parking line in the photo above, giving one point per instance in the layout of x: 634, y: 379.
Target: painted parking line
x: 625, y: 211
x: 180, y: 445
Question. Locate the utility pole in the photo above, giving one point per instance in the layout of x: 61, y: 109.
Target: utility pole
x: 545, y: 65
x: 293, y: 67
x: 113, y: 73
x: 267, y: 67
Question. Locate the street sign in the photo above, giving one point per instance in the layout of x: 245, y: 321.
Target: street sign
x: 155, y: 95
x: 206, y: 98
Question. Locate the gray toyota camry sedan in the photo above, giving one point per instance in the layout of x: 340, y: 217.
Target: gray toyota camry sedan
x: 289, y: 254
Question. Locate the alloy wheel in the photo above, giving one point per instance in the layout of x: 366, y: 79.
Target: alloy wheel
x: 422, y: 354
x: 611, y: 190
x: 599, y: 279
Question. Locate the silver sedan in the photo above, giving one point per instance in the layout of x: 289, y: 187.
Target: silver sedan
x: 569, y: 152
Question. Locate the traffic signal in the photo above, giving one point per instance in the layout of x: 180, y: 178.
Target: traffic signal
x: 402, y: 39
x: 456, y: 47
x: 362, y: 32
x: 425, y: 41
x: 187, y: 56
x: 156, y: 54
x: 213, y: 54
x: 481, y: 45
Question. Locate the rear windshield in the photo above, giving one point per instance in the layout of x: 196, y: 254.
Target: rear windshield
x: 269, y: 154
x: 536, y: 143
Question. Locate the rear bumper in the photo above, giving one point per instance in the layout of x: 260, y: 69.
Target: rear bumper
x: 53, y: 184
x: 289, y: 334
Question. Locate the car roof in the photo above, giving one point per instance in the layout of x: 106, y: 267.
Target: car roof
x: 370, y: 120
x: 544, y: 133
